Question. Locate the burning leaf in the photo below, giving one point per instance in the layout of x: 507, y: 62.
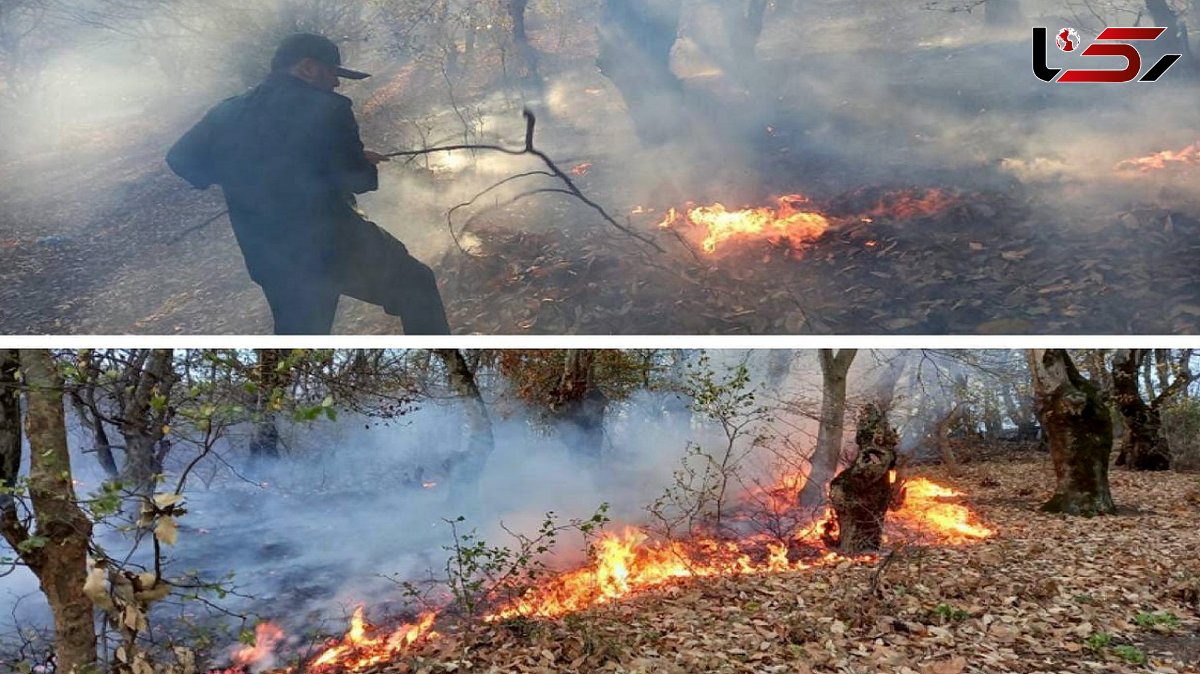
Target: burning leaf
x: 581, y: 169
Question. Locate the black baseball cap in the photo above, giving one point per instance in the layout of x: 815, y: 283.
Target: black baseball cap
x: 295, y: 48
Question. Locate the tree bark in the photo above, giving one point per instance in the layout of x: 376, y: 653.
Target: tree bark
x: 862, y: 494
x: 945, y: 446
x: 580, y: 405
x: 636, y: 38
x: 264, y: 440
x: 61, y: 562
x: 1146, y: 446
x: 84, y: 399
x: 525, y: 50
x: 143, y: 418
x: 481, y: 442
x: 834, y: 369
x: 1079, y: 429
x: 10, y: 435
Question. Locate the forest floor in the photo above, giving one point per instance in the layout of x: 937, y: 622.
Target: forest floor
x: 1041, y: 239
x: 1046, y: 594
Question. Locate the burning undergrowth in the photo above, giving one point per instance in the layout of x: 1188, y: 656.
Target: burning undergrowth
x: 624, y: 564
x: 869, y: 261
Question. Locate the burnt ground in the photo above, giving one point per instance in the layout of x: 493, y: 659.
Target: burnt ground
x: 1047, y: 593
x: 88, y: 234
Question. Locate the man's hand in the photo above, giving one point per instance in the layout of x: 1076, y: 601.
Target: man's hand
x: 375, y: 158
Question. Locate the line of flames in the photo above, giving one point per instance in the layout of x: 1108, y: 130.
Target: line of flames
x: 794, y: 219
x: 629, y: 562
x: 1162, y: 160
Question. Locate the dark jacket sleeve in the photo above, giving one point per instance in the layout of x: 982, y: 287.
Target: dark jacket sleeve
x: 191, y: 157
x: 349, y: 166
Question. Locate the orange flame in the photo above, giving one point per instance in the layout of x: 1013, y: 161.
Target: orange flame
x: 629, y: 562
x: 626, y: 563
x: 1161, y: 160
x: 266, y: 637
x: 785, y: 223
x: 361, y: 649
x: 926, y: 513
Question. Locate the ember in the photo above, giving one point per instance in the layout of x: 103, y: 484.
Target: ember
x: 910, y: 204
x: 786, y: 223
x: 1162, y: 160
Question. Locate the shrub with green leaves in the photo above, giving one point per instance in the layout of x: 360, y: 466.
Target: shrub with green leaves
x: 1130, y: 654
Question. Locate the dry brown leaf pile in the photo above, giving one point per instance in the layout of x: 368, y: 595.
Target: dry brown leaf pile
x: 1047, y: 594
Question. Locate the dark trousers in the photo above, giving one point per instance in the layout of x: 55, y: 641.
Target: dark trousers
x: 369, y: 265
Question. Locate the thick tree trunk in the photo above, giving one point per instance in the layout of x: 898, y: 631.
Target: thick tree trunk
x: 580, y: 405
x: 1079, y: 430
x: 61, y: 564
x: 834, y: 369
x: 264, y: 440
x: 636, y: 38
x: 862, y: 494
x: 481, y: 442
x: 1145, y: 446
x: 10, y: 434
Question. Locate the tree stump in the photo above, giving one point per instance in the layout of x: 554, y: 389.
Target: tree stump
x: 862, y: 494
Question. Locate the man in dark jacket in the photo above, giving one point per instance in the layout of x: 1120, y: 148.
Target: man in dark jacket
x: 289, y: 158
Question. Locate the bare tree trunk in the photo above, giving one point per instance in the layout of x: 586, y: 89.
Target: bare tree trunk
x: 744, y: 21
x: 1145, y: 445
x: 862, y: 494
x: 264, y: 440
x: 636, y: 38
x: 828, y: 453
x: 1079, y: 429
x: 145, y: 414
x: 10, y: 435
x: 60, y: 563
x: 1175, y: 39
x: 779, y: 364
x: 529, y: 55
x: 481, y: 442
x: 84, y: 399
x: 580, y: 404
x: 945, y: 448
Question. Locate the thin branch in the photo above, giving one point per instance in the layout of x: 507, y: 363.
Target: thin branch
x: 530, y: 149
